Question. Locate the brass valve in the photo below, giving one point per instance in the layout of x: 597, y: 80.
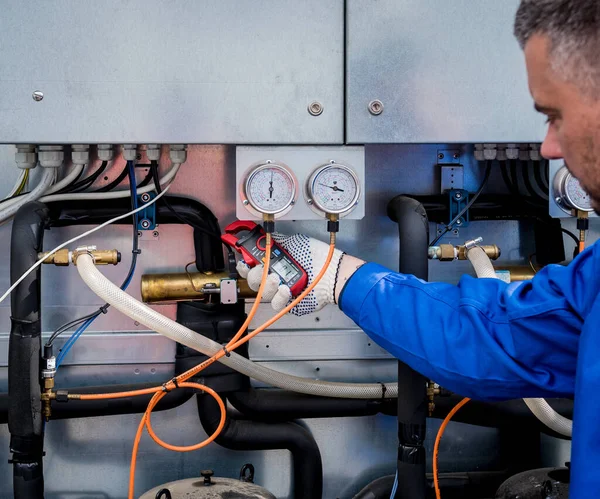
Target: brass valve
x: 64, y: 257
x: 449, y: 253
x: 433, y: 389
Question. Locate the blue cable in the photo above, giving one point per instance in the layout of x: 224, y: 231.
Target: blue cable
x: 395, y: 488
x: 75, y: 336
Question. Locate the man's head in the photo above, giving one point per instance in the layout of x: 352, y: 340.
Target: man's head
x: 561, y: 40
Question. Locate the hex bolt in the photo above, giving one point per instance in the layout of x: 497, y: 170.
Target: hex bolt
x: 145, y: 223
x: 38, y: 95
x: 376, y: 107
x: 315, y: 108
x: 145, y: 197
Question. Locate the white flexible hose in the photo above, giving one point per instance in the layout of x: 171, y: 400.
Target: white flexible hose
x: 68, y: 179
x: 13, y: 205
x: 539, y: 407
x: 15, y: 188
x: 112, y: 294
x: 552, y: 419
x: 75, y: 196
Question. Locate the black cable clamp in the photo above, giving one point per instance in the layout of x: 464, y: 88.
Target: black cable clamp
x: 165, y: 387
x: 227, y: 352
x: 137, y: 251
x: 383, y: 390
x: 104, y: 308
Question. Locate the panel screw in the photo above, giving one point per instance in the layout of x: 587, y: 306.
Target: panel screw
x: 558, y: 200
x: 456, y: 155
x: 38, y: 95
x: 458, y: 195
x: 315, y: 108
x: 155, y: 233
x: 138, y: 156
x: 145, y: 197
x: 459, y: 222
x: 375, y: 107
x: 245, y: 202
x: 139, y: 233
x: 145, y: 223
x: 456, y: 232
x: 441, y: 155
x: 309, y: 201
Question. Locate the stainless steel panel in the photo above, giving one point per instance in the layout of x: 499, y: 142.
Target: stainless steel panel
x: 148, y: 71
x: 302, y: 161
x: 444, y: 71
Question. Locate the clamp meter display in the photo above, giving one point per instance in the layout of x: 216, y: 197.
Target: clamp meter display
x: 252, y: 247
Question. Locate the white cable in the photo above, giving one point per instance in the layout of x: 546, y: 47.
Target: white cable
x: 117, y: 298
x: 538, y: 406
x: 80, y: 236
x: 13, y: 205
x: 165, y: 180
x: 15, y: 188
x: 68, y: 179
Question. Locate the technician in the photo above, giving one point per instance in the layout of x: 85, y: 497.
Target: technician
x: 483, y: 338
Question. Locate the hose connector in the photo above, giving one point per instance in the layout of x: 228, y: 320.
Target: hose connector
x: 269, y: 223
x: 48, y: 373
x: 64, y: 257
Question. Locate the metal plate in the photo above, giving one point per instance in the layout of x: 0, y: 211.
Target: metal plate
x: 149, y: 71
x: 302, y: 161
x: 444, y: 71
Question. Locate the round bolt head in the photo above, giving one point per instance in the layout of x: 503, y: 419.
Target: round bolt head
x: 458, y: 195
x: 441, y: 155
x: 145, y: 223
x: 38, y: 95
x: 245, y: 202
x: 456, y: 231
x: 558, y: 200
x: 145, y: 197
x: 456, y: 155
x: 376, y: 107
x: 155, y: 233
x: 315, y: 108
x: 309, y: 201
x: 459, y: 222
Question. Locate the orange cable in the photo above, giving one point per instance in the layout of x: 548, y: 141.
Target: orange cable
x: 436, y: 446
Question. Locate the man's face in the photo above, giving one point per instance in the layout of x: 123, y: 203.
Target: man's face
x: 573, y: 117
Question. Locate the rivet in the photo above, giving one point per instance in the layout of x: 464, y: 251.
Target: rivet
x: 38, y: 95
x: 315, y: 108
x: 376, y: 107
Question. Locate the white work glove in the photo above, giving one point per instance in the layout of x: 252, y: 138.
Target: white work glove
x: 310, y: 254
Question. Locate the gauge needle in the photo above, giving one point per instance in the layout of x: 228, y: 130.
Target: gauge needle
x: 334, y: 187
x: 271, y: 187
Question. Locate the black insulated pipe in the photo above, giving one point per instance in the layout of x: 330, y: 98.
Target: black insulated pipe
x: 252, y: 435
x: 24, y: 352
x: 413, y: 232
x: 271, y: 405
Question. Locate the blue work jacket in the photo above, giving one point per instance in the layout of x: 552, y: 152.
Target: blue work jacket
x: 489, y: 340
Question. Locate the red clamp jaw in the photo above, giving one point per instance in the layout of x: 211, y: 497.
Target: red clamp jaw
x: 230, y: 237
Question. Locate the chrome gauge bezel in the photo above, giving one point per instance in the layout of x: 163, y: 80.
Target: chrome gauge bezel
x: 312, y: 200
x: 561, y: 192
x: 251, y: 205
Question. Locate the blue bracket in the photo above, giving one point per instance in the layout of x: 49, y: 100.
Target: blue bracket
x: 458, y: 199
x: 146, y: 217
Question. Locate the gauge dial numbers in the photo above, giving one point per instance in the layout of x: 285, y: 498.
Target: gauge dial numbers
x: 333, y: 189
x: 269, y: 188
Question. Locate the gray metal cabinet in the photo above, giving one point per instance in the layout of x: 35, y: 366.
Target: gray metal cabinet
x: 150, y: 71
x: 445, y: 71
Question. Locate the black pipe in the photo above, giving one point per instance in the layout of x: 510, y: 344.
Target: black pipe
x: 272, y: 405
x: 413, y: 232
x: 381, y: 488
x: 24, y: 405
x: 208, y: 249
x: 252, y: 435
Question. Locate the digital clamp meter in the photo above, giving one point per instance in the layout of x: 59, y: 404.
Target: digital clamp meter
x: 252, y: 247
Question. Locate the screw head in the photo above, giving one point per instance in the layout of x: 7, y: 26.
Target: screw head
x: 145, y: 197
x: 441, y: 155
x: 309, y: 201
x: 315, y: 108
x: 38, y: 95
x: 456, y: 232
x: 145, y: 223
x: 558, y: 200
x: 456, y: 155
x: 155, y: 233
x: 459, y: 222
x: 245, y: 202
x: 458, y: 195
x: 376, y: 107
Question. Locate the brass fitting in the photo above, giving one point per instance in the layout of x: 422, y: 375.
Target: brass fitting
x: 47, y: 395
x: 449, y: 253
x: 64, y: 257
x: 492, y: 251
x: 518, y: 273
x: 433, y: 389
x: 165, y: 288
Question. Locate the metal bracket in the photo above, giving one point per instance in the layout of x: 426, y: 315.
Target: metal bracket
x: 229, y: 291
x: 457, y: 200
x: 147, y: 216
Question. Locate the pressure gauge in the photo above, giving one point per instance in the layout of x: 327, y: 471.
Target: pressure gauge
x: 332, y: 189
x: 569, y: 194
x: 269, y: 188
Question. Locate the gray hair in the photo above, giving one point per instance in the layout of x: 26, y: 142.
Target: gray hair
x: 573, y: 28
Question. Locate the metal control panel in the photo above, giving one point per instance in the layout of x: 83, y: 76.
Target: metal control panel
x: 300, y: 183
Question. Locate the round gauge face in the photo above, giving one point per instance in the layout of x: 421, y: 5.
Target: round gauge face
x: 334, y: 189
x: 575, y: 194
x: 270, y: 189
